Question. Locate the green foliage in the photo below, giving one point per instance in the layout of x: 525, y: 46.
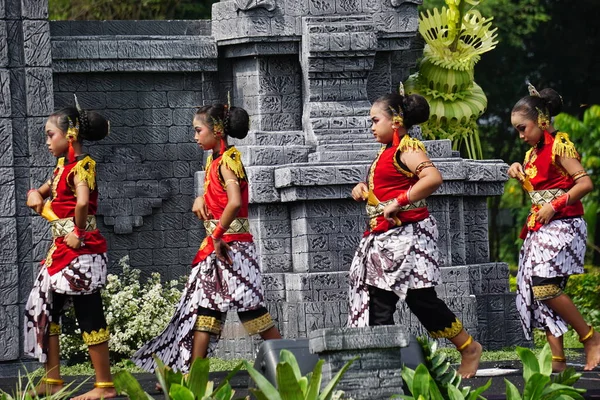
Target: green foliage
x: 129, y: 9
x: 28, y: 392
x: 291, y: 385
x: 423, y: 386
x: 539, y: 381
x: 584, y: 290
x: 135, y: 313
x: 177, y: 386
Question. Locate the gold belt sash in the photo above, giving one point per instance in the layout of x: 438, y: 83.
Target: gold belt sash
x: 540, y: 197
x: 374, y: 211
x: 239, y: 225
x: 61, y: 227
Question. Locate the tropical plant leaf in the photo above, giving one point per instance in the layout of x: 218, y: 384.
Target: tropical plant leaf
x: 421, y: 382
x: 229, y: 376
x: 287, y: 382
x: 224, y: 393
x: 530, y: 362
x: 408, y: 375
x: 454, y: 393
x: 288, y: 356
x: 328, y: 390
x: 160, y: 376
x: 475, y: 394
x: 314, y: 384
x: 512, y: 393
x: 567, y: 377
x: 545, y: 360
x: 268, y: 390
x: 198, y: 377
x: 534, y: 386
x: 180, y: 392
x: 126, y: 383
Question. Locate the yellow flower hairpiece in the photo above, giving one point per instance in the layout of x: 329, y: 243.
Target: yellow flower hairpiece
x: 72, y: 130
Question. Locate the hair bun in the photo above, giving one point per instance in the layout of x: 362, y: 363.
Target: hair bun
x: 239, y: 123
x: 552, y: 100
x: 416, y: 110
x: 92, y: 125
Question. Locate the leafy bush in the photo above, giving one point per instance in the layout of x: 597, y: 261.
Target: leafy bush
x: 178, y: 386
x: 292, y: 385
x: 135, y: 313
x: 539, y: 381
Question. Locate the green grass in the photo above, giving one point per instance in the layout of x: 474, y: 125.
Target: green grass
x: 83, y: 369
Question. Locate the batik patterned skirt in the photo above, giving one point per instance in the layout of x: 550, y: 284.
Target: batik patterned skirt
x: 86, y: 274
x: 556, y: 250
x: 214, y: 285
x: 397, y: 260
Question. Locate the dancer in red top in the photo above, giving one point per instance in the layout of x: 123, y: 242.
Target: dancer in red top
x: 555, y: 232
x: 398, y: 256
x: 74, y: 270
x: 225, y: 274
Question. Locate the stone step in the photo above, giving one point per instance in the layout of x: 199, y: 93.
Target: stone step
x: 262, y: 138
x: 274, y: 155
x: 353, y: 155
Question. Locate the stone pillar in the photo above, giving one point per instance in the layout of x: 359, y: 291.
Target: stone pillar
x: 376, y: 374
x: 25, y: 101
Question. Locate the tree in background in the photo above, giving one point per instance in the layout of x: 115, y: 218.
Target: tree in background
x: 129, y: 9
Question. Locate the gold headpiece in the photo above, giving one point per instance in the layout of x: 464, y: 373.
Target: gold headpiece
x: 401, y: 89
x: 218, y: 126
x: 532, y: 90
x: 72, y: 130
x: 543, y: 120
x: 397, y: 116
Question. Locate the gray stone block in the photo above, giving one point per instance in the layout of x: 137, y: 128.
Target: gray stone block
x: 9, y: 319
x: 38, y: 84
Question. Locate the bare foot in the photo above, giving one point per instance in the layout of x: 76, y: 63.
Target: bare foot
x: 559, y: 366
x: 470, y: 360
x: 97, y: 393
x: 45, y: 389
x: 592, y: 352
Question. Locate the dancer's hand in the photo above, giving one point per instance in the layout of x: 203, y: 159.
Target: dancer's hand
x: 516, y: 171
x: 390, y: 211
x: 545, y: 214
x: 222, y: 250
x: 73, y: 241
x: 35, y: 201
x: 360, y: 192
x: 201, y: 209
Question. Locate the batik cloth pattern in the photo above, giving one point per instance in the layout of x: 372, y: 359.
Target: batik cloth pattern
x: 86, y: 274
x: 397, y: 260
x: 555, y: 250
x: 212, y: 284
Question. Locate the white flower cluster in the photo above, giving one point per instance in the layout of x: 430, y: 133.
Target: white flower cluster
x: 134, y: 312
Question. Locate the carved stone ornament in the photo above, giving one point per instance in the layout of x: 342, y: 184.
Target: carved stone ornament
x: 398, y: 3
x: 246, y: 5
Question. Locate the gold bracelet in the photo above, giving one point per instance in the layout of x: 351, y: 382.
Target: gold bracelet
x: 559, y: 359
x: 588, y: 336
x: 53, y: 382
x: 104, y: 385
x: 579, y: 174
x: 465, y: 344
x: 228, y: 181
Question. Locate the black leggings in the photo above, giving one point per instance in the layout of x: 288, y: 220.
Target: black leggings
x: 431, y: 311
x: 88, y: 310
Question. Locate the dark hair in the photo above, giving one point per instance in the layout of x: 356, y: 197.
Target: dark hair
x: 92, y: 126
x: 549, y: 101
x: 236, y: 121
x: 415, y: 108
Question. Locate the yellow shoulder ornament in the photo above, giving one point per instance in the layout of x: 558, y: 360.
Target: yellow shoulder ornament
x: 410, y: 144
x: 232, y: 159
x: 85, y: 169
x: 563, y: 147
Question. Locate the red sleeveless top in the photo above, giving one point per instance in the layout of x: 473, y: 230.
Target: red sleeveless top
x: 215, y: 197
x: 62, y: 205
x: 544, y: 172
x: 388, y: 179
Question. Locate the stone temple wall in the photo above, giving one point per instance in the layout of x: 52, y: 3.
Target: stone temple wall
x: 306, y: 71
